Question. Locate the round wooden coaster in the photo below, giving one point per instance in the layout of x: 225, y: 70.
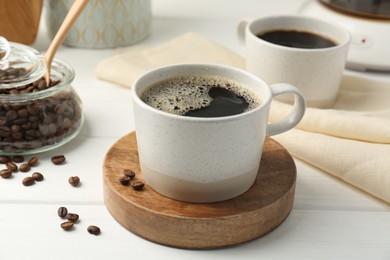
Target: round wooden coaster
x: 154, y: 217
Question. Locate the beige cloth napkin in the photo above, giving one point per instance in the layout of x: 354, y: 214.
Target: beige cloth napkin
x: 130, y: 63
x: 350, y: 141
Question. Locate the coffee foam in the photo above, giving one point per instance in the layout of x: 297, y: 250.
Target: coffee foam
x: 179, y: 95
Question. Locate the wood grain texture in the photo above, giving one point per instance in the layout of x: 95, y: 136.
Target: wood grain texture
x: 198, y: 226
x: 19, y: 20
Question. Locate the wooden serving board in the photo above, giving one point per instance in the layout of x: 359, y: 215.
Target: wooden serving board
x: 154, y: 217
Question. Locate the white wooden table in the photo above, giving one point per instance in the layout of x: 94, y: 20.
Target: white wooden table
x: 330, y: 219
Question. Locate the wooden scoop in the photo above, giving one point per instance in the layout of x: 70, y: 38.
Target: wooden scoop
x: 74, y: 12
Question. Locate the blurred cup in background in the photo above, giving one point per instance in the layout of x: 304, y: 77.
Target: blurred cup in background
x: 306, y: 52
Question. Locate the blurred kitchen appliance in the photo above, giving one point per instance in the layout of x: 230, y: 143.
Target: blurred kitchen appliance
x: 369, y: 23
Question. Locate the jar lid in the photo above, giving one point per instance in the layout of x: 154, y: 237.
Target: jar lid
x: 19, y: 64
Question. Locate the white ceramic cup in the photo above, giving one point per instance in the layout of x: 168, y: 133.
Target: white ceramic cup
x: 316, y: 72
x: 201, y: 160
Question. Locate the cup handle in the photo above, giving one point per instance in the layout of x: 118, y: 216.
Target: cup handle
x: 295, y: 115
x: 241, y: 30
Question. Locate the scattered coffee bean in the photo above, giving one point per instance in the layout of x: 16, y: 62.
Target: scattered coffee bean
x: 68, y: 225
x: 94, y: 230
x: 62, y: 211
x: 24, y: 167
x: 58, y: 159
x: 138, y: 185
x: 37, y: 176
x: 74, y: 181
x: 6, y: 173
x: 18, y: 158
x: 4, y: 159
x: 33, y: 161
x: 73, y: 217
x: 129, y: 173
x: 12, y: 166
x: 27, y: 181
x: 125, y: 180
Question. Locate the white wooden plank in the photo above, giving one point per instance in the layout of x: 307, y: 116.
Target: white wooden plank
x: 84, y: 158
x: 314, y: 190
x: 33, y: 232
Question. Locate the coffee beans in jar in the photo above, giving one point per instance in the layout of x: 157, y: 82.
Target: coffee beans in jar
x: 36, y: 117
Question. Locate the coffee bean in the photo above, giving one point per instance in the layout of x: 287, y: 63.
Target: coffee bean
x: 128, y: 172
x: 73, y: 217
x: 4, y: 159
x: 41, y: 84
x: 138, y: 185
x: 18, y: 158
x: 27, y: 181
x: 32, y: 109
x: 24, y: 167
x: 37, y: 176
x: 5, y: 132
x: 74, y: 181
x: 125, y: 180
x: 5, y: 173
x: 94, y: 230
x: 12, y: 166
x: 3, y: 120
x: 62, y: 211
x: 11, y: 115
x: 22, y: 112
x: 33, y: 161
x: 68, y: 225
x: 58, y: 159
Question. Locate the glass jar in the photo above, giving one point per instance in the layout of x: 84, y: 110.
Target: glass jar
x: 33, y: 117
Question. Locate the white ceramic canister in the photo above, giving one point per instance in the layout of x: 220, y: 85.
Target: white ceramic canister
x: 35, y: 117
x: 103, y: 23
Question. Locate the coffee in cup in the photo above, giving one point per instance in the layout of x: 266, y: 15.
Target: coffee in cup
x: 297, y: 39
x: 200, y: 96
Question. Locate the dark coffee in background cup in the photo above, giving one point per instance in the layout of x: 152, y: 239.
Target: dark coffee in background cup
x: 200, y: 96
x: 297, y: 39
